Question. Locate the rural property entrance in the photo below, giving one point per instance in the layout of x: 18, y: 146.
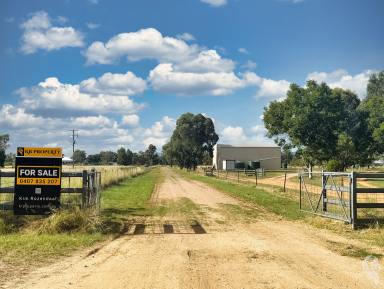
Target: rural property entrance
x: 239, y: 250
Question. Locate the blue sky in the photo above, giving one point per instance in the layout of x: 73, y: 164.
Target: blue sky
x: 123, y: 71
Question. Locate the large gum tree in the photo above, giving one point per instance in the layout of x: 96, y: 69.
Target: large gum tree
x: 193, y: 137
x: 323, y: 124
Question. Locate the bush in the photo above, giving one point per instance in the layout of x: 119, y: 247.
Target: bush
x: 70, y: 221
x: 7, y: 224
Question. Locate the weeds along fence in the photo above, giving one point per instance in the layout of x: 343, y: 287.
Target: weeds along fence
x: 110, y: 174
x: 80, y: 187
x: 355, y: 198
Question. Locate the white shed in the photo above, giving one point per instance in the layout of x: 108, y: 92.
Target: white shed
x: 225, y: 156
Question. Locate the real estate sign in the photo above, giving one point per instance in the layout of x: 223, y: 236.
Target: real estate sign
x: 37, y: 180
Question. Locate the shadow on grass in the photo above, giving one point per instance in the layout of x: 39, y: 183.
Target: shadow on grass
x: 369, y: 222
x: 123, y: 212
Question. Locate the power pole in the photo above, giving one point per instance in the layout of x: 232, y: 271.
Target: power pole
x: 75, y: 135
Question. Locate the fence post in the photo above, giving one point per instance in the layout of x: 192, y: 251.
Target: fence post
x: 353, y: 200
x: 98, y: 191
x: 85, y: 188
x: 324, y: 191
x: 300, y: 189
x: 238, y: 176
x: 285, y: 179
x: 256, y: 177
x: 92, y: 190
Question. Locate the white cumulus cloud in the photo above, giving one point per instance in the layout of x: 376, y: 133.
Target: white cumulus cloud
x: 160, y: 132
x: 53, y: 95
x: 130, y: 120
x: 165, y: 78
x: 186, y: 36
x: 206, y: 61
x: 271, y: 89
x: 341, y: 78
x: 114, y: 83
x: 92, y: 121
x: 259, y: 130
x: 13, y: 117
x: 146, y: 43
x: 38, y: 33
x: 233, y: 134
x: 236, y: 135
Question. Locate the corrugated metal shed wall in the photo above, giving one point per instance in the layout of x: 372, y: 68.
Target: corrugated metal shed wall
x: 269, y: 157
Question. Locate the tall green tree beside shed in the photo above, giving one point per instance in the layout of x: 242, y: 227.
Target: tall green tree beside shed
x: 373, y: 105
x: 324, y: 124
x: 193, y: 136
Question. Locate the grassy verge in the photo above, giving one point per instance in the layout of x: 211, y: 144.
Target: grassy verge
x: 29, y: 239
x: 127, y: 199
x: 19, y: 248
x: 288, y: 208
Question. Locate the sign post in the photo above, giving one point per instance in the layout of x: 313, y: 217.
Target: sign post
x: 37, y: 180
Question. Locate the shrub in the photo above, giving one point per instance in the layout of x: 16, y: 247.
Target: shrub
x: 69, y: 221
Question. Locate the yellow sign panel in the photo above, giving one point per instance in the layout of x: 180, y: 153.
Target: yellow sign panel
x: 38, y: 182
x: 39, y: 152
x: 38, y: 175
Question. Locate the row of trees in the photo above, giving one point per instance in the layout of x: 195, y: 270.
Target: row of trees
x: 121, y: 157
x: 329, y: 127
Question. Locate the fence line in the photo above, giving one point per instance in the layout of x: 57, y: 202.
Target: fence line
x: 87, y: 196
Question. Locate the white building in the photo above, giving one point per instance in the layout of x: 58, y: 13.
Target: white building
x: 228, y: 157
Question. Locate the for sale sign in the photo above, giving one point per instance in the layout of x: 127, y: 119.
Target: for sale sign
x: 37, y: 181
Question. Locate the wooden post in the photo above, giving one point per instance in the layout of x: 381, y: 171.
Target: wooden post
x: 85, y: 188
x: 238, y: 176
x: 285, y: 179
x: 256, y: 177
x: 92, y: 190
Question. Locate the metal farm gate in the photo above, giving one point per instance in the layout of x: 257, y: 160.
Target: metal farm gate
x: 339, y: 195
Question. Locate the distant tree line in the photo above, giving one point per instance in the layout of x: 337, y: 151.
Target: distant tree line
x: 124, y: 157
x: 329, y: 127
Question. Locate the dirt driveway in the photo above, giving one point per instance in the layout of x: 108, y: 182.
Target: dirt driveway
x: 231, y: 254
